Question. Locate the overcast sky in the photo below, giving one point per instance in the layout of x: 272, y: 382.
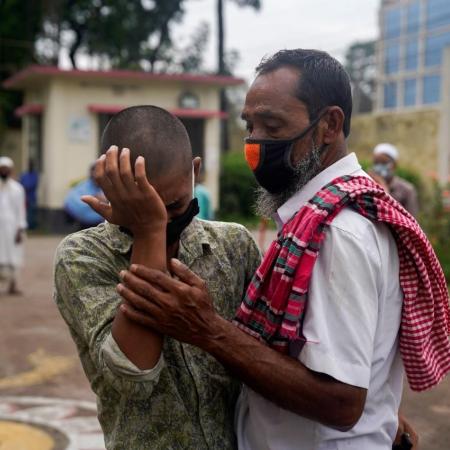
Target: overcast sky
x: 329, y: 25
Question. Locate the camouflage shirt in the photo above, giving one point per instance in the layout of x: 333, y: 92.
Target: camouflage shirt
x: 190, y: 403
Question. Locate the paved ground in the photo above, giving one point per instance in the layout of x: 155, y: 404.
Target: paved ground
x: 45, y: 401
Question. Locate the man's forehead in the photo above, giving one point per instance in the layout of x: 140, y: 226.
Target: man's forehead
x: 274, y: 94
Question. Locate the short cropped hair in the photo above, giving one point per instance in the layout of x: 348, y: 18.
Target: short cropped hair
x: 322, y: 82
x: 153, y: 133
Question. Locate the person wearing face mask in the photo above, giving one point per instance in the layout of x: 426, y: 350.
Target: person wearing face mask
x: 12, y: 225
x: 152, y: 391
x: 385, y: 157
x: 347, y: 298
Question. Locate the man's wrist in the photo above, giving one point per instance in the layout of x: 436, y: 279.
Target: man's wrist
x: 219, y: 329
x: 150, y: 232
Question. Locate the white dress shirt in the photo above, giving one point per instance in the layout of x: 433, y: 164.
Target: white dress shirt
x: 351, y: 326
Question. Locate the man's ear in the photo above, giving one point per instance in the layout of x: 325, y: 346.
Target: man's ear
x: 197, y: 164
x: 334, y: 119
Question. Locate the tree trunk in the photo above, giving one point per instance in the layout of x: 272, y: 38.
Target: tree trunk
x: 221, y: 70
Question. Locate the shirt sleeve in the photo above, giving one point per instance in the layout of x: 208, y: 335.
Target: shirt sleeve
x: 87, y: 300
x: 341, y: 315
x: 119, y: 364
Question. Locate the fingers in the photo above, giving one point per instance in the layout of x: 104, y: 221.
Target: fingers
x: 141, y: 176
x: 145, y: 304
x: 137, y: 316
x: 141, y: 287
x: 185, y: 274
x: 104, y: 209
x: 112, y: 172
x: 126, y: 174
x: 157, y: 277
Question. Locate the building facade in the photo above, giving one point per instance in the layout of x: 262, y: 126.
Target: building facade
x: 64, y: 113
x: 410, y: 54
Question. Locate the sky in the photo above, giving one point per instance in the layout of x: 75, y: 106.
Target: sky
x: 329, y: 25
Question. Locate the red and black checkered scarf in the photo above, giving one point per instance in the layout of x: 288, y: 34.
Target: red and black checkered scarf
x: 275, y: 302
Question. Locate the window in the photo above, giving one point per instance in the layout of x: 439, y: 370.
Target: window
x: 392, y: 22
x: 411, y: 54
x: 413, y: 17
x: 390, y: 95
x: 434, y: 48
x: 391, y: 58
x: 431, y: 89
x: 438, y: 13
x: 409, y: 92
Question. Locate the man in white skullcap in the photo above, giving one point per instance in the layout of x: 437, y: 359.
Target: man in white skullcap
x: 12, y: 224
x: 385, y: 157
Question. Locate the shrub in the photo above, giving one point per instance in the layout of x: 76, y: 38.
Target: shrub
x: 237, y: 188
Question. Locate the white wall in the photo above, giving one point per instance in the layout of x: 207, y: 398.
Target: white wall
x: 67, y: 159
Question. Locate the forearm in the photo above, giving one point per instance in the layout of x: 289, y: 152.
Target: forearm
x: 141, y: 345
x: 284, y: 380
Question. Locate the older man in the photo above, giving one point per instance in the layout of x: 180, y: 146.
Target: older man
x: 12, y: 224
x: 385, y: 158
x: 318, y: 337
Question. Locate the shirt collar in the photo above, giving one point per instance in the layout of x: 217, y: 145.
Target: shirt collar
x: 194, y: 241
x: 348, y: 165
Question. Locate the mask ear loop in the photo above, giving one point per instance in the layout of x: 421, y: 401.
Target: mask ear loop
x: 193, y: 181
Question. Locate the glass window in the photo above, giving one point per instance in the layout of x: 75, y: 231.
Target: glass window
x: 409, y: 92
x: 434, y: 46
x: 391, y: 58
x: 390, y: 95
x: 438, y: 13
x: 392, y: 22
x: 411, y: 54
x: 413, y: 17
x: 431, y: 89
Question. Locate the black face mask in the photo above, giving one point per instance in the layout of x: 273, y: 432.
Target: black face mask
x: 3, y: 176
x: 176, y: 226
x: 270, y: 159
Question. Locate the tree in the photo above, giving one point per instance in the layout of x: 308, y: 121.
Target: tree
x: 127, y: 33
x: 360, y: 64
x: 221, y: 60
x: 20, y: 24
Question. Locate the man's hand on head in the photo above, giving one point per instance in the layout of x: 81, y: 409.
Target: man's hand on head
x: 133, y: 202
x: 179, y: 307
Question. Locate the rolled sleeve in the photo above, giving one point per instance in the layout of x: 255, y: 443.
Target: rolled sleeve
x: 341, y: 317
x: 121, y: 366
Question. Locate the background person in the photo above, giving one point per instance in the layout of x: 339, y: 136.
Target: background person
x: 30, y: 181
x: 203, y: 196
x: 12, y: 224
x: 79, y: 211
x: 385, y: 158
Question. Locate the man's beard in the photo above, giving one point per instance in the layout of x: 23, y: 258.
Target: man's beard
x: 267, y: 204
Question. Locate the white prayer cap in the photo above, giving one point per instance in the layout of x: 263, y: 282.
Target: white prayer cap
x: 386, y: 149
x: 6, y: 162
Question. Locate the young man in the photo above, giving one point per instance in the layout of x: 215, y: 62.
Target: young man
x: 13, y: 224
x: 153, y: 392
x: 350, y: 281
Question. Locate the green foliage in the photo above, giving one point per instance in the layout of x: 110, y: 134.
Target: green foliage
x: 20, y: 23
x: 435, y: 220
x: 237, y: 189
